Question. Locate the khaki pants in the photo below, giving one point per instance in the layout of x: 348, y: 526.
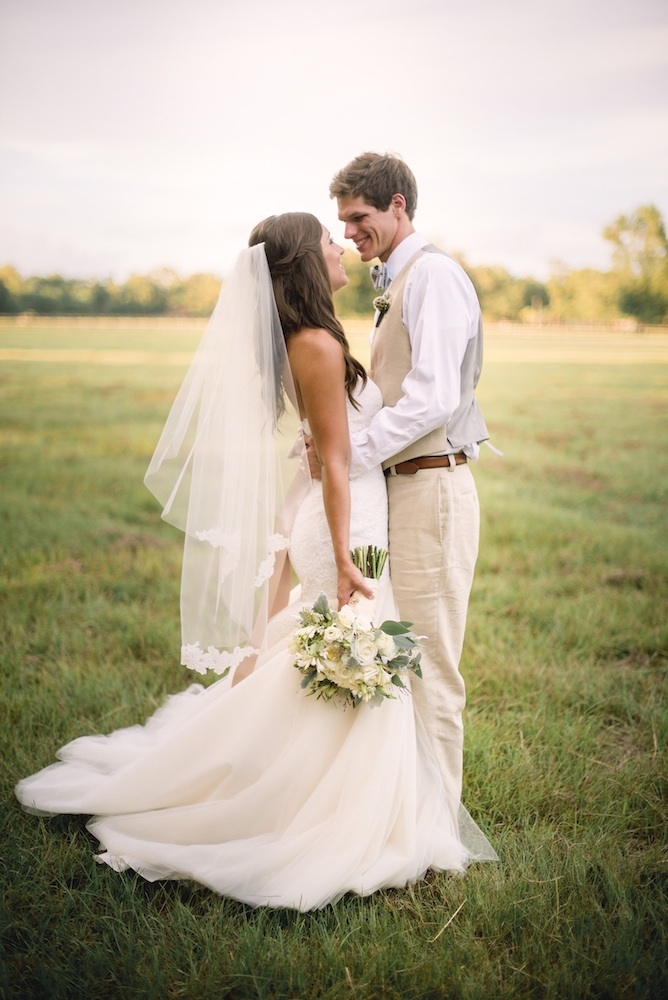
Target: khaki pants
x: 434, y: 533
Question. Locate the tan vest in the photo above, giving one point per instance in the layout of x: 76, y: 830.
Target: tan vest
x: 391, y: 362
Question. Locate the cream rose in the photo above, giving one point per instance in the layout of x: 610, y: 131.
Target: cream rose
x: 346, y: 616
x: 386, y: 646
x: 363, y: 624
x: 364, y: 649
x: 373, y: 674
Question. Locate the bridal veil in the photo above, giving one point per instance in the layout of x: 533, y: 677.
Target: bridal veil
x: 217, y: 470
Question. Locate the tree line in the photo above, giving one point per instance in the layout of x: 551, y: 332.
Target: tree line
x: 635, y: 288
x: 160, y: 293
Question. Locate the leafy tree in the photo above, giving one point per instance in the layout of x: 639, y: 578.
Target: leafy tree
x: 583, y: 296
x: 48, y: 296
x: 640, y: 256
x: 102, y: 297
x: 11, y: 286
x: 504, y: 297
x: 639, y: 241
x: 356, y: 299
x: 645, y: 301
x: 194, y: 296
x: 142, y: 295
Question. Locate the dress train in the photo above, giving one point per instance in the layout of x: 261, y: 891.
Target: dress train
x: 260, y: 792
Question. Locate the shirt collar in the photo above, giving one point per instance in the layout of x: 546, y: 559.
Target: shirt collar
x: 403, y: 253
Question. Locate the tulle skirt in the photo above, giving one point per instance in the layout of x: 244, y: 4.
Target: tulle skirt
x: 264, y: 794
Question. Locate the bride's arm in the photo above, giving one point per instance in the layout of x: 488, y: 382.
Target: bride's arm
x: 318, y: 368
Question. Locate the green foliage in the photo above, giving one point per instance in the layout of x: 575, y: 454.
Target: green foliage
x: 10, y: 290
x: 356, y: 298
x: 585, y: 296
x: 637, y: 286
x: 641, y: 264
x: 644, y: 300
x: 639, y: 241
x: 194, y: 296
x: 565, y: 732
x: 162, y: 293
x: 503, y: 297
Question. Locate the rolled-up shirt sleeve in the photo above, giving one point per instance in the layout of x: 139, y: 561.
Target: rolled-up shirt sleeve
x: 441, y: 312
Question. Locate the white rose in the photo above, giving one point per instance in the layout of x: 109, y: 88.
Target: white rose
x: 335, y: 671
x: 386, y: 645
x: 346, y: 616
x: 332, y: 634
x: 362, y: 624
x: 373, y: 674
x: 364, y: 649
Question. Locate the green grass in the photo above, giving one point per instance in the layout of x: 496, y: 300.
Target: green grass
x: 566, y: 727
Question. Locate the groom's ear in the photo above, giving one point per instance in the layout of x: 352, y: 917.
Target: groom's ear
x: 398, y: 204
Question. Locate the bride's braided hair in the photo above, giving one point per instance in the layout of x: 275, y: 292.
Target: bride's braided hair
x: 301, y: 281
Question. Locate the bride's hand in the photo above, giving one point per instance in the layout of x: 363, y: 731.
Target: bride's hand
x: 351, y: 579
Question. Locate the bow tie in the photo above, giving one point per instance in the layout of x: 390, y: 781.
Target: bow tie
x: 380, y: 277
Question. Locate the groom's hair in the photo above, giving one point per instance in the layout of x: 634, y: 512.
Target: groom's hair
x: 376, y: 178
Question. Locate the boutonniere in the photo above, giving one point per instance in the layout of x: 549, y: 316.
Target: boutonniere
x: 382, y: 303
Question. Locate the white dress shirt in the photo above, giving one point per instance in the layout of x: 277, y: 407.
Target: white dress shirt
x: 441, y: 312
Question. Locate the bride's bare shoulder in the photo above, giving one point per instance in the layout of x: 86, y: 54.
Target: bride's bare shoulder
x: 312, y: 342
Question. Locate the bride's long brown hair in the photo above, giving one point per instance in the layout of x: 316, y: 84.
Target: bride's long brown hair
x: 301, y: 281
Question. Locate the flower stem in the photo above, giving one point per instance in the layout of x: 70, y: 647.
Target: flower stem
x: 370, y: 560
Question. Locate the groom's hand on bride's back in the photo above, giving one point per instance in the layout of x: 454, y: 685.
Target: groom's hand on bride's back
x: 314, y: 465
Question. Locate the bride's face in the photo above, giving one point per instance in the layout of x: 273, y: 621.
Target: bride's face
x: 333, y: 253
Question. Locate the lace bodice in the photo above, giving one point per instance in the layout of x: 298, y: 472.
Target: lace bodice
x: 310, y: 544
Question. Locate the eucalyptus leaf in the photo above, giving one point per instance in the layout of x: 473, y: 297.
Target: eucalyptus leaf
x: 403, y: 642
x: 399, y: 662
x: 395, y: 628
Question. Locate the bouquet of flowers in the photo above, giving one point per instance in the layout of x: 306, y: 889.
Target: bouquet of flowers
x: 341, y: 654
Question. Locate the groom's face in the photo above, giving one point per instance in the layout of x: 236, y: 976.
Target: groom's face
x: 374, y: 233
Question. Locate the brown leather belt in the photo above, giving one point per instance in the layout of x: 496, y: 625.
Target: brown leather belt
x: 432, y: 462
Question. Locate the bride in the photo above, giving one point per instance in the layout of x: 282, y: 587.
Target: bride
x: 248, y: 786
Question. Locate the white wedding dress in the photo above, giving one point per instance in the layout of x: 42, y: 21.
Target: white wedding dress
x: 260, y: 792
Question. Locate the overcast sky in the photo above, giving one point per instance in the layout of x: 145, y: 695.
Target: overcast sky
x: 136, y: 134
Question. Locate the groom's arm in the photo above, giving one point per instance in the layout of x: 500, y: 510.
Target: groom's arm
x: 439, y: 312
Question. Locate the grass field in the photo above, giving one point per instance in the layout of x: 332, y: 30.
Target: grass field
x: 566, y: 726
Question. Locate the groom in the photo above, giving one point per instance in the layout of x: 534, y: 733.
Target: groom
x: 426, y: 356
